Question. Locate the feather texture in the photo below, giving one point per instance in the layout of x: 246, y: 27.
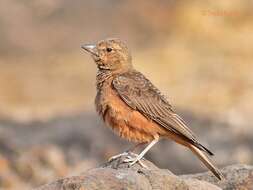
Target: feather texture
x: 141, y: 95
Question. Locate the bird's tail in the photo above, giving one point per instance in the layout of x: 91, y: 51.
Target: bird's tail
x: 206, y: 161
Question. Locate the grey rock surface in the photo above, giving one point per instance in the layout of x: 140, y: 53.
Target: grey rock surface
x: 117, y: 175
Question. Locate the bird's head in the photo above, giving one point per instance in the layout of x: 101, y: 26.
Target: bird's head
x: 110, y: 54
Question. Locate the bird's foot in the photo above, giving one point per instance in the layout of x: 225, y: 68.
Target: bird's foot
x: 133, y: 160
x: 127, y: 153
x: 117, y: 156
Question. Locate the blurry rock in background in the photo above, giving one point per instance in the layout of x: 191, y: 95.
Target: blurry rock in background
x: 49, y: 128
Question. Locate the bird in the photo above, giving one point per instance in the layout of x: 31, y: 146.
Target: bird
x: 134, y: 108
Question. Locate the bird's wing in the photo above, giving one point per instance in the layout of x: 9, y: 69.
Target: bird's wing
x: 140, y: 94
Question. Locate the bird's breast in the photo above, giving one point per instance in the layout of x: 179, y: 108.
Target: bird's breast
x: 126, y: 122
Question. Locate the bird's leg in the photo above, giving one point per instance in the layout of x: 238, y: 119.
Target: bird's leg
x: 130, y: 150
x: 132, y: 161
x: 126, y: 153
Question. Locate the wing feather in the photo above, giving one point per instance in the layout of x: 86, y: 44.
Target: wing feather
x: 140, y: 94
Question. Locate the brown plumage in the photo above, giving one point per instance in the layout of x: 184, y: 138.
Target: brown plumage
x: 133, y: 107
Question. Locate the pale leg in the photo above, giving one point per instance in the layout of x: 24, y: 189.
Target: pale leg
x: 126, y: 153
x: 132, y: 161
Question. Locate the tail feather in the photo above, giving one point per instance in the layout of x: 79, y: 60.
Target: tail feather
x: 206, y: 161
x: 201, y: 147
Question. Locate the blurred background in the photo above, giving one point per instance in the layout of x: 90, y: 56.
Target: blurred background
x: 199, y: 53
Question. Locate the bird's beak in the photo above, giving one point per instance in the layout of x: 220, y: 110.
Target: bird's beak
x: 90, y: 48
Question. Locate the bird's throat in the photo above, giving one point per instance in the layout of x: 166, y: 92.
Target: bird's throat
x: 103, y: 77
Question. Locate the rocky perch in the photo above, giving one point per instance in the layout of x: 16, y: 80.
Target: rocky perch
x: 117, y: 175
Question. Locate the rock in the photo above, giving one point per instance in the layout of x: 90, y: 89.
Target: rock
x: 40, y: 164
x: 236, y: 177
x: 9, y: 179
x: 117, y: 175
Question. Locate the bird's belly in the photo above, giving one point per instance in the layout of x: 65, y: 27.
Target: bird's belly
x: 128, y: 123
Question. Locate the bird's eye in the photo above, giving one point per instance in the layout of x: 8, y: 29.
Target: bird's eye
x: 108, y: 49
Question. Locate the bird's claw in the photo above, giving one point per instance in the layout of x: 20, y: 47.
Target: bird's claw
x: 131, y: 161
x: 117, y: 156
x: 128, y: 154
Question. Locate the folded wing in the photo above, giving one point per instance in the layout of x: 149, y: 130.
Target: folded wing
x: 140, y: 94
